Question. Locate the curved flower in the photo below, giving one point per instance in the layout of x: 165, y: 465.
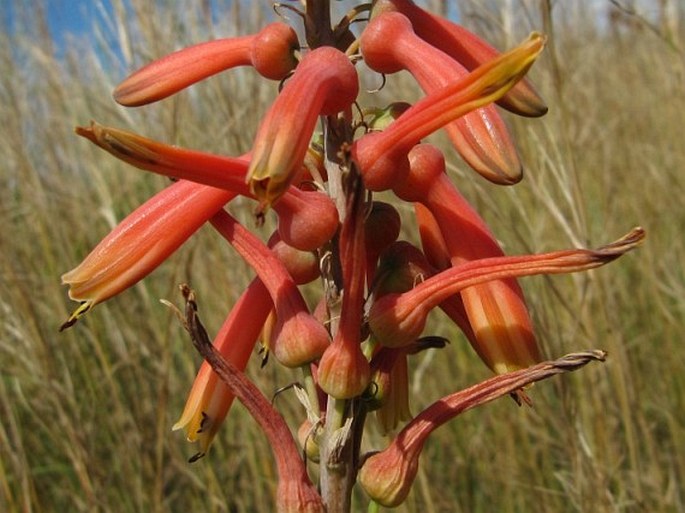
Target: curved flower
x: 467, y: 48
x: 382, y: 156
x: 298, y: 337
x: 389, y: 44
x: 387, y: 476
x: 503, y: 330
x: 398, y: 319
x: 324, y: 83
x: 271, y: 52
x: 142, y: 241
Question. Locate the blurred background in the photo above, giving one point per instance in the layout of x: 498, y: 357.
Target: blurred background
x: 85, y: 415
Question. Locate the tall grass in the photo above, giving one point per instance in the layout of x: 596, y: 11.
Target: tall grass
x: 85, y: 415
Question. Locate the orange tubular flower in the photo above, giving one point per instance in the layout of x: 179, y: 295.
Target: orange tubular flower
x: 387, y: 476
x: 210, y: 398
x: 298, y: 337
x: 307, y: 219
x: 497, y: 312
x: 142, y: 241
x: 389, y: 44
x: 382, y: 157
x: 466, y: 48
x: 324, y: 83
x: 398, y: 319
x: 344, y: 371
x: 271, y: 52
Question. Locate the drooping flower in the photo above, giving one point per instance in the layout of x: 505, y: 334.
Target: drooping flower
x: 389, y: 44
x: 295, y: 493
x: 466, y: 48
x: 324, y: 83
x: 382, y: 156
x: 210, y: 398
x: 298, y: 337
x: 496, y: 310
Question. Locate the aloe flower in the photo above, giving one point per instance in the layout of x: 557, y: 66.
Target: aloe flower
x: 389, y: 44
x: 298, y: 337
x: 466, y: 48
x: 382, y: 156
x: 307, y: 219
x: 295, y: 492
x: 324, y: 83
x: 271, y: 52
x: 210, y: 398
x: 141, y: 242
x: 497, y: 313
x: 344, y: 371
x: 315, y: 163
x: 387, y: 476
x: 398, y: 319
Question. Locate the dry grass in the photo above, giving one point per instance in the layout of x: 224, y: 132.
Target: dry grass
x: 85, y: 415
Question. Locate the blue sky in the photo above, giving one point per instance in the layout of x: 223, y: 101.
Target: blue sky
x: 63, y: 16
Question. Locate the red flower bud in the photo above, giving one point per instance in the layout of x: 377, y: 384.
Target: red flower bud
x: 298, y: 337
x: 344, y: 371
x: 303, y: 266
x: 381, y: 228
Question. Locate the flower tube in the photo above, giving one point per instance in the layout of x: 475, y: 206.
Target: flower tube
x: 344, y: 371
x: 497, y: 312
x: 382, y: 156
x: 306, y: 219
x: 387, y: 476
x: 271, y: 52
x: 466, y: 48
x: 389, y: 44
x: 398, y: 319
x: 298, y: 337
x: 210, y: 398
x: 324, y: 83
x: 295, y: 492
x: 142, y: 241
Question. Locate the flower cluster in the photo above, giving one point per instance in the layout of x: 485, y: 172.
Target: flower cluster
x: 377, y: 291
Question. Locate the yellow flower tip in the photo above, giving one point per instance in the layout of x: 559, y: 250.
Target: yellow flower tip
x: 200, y: 425
x: 84, y: 307
x: 267, y: 190
x: 501, y: 74
x: 127, y: 146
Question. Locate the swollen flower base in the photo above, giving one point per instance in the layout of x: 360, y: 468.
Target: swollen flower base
x: 351, y: 346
